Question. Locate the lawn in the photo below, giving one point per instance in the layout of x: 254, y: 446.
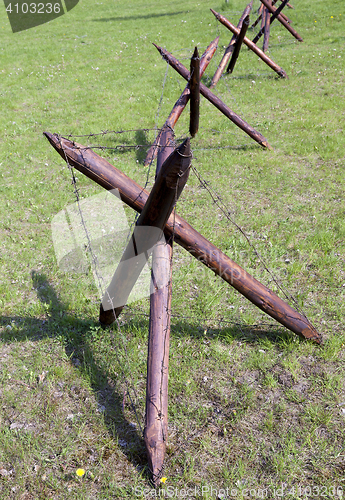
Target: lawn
x: 254, y: 410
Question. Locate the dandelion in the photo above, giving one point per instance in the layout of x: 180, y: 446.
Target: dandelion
x: 163, y: 480
x: 80, y: 472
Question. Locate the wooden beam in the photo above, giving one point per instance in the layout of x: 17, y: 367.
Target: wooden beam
x: 238, y: 45
x: 148, y: 231
x: 194, y: 84
x: 251, y: 45
x: 106, y: 175
x: 254, y: 134
x: 267, y: 26
x: 182, y: 101
x: 156, y: 413
x: 230, y: 48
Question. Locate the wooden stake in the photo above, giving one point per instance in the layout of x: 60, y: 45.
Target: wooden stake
x: 156, y: 414
x: 254, y: 134
x: 166, y: 190
x: 251, y: 45
x: 276, y: 15
x: 194, y: 85
x: 230, y: 48
x: 238, y: 45
x: 266, y: 29
x: 182, y: 101
x: 106, y: 175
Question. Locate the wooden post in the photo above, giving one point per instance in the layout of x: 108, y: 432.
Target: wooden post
x: 266, y: 30
x: 254, y: 134
x: 194, y: 85
x: 251, y: 45
x: 182, y: 101
x: 106, y: 175
x: 230, y: 48
x: 148, y: 231
x: 238, y: 45
x: 156, y: 413
x: 276, y: 15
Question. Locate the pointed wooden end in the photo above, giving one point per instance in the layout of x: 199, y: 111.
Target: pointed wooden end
x: 267, y: 145
x: 155, y: 451
x: 195, y: 53
x: 184, y: 148
x: 215, y: 13
x: 53, y: 139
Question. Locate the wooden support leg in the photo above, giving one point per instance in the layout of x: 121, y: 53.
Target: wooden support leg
x: 238, y: 45
x: 156, y: 414
x: 194, y: 85
x: 266, y: 30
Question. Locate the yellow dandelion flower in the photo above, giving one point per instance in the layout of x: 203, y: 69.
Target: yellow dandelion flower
x: 80, y: 472
x: 163, y: 480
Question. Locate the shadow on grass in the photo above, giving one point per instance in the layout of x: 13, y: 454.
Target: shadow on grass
x: 140, y: 16
x: 75, y: 334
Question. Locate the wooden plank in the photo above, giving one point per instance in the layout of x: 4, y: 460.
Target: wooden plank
x: 106, y: 175
x: 251, y: 45
x: 254, y: 134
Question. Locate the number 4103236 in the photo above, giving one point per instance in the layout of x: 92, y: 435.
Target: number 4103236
x: 33, y: 8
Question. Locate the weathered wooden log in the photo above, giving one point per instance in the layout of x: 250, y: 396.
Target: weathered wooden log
x: 182, y: 101
x: 156, y: 413
x: 238, y: 45
x: 148, y: 231
x: 251, y: 45
x: 194, y: 85
x: 267, y: 26
x: 254, y: 134
x: 230, y: 48
x: 106, y: 175
x: 275, y: 15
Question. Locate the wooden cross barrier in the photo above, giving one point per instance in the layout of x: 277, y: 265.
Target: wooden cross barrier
x: 273, y: 10
x: 182, y: 101
x: 260, y: 14
x: 229, y: 49
x: 106, y: 175
x: 254, y: 134
x: 250, y: 44
x: 276, y: 14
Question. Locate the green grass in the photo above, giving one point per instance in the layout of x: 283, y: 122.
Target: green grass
x: 251, y: 406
